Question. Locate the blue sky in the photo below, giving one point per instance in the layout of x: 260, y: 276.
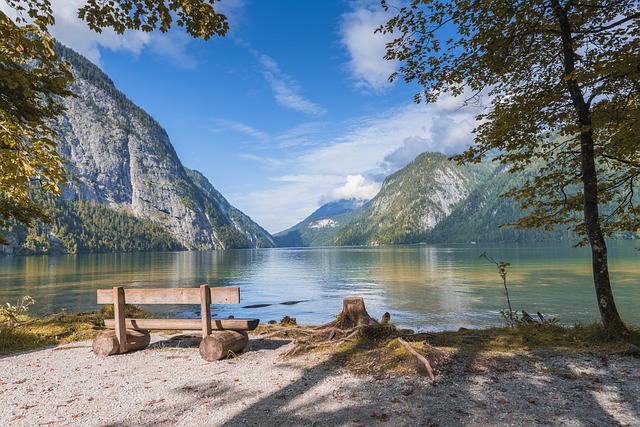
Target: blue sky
x: 290, y: 110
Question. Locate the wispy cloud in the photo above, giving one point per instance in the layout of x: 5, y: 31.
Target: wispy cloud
x: 366, y: 49
x: 307, y: 134
x: 286, y: 90
x: 270, y: 162
x: 353, y: 161
x: 173, y: 46
x: 243, y: 128
x: 287, y: 203
x: 234, y: 10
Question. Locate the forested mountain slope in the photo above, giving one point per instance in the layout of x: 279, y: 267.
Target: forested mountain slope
x: 411, y: 202
x: 434, y: 200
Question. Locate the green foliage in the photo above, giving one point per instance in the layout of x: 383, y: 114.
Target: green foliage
x: 309, y: 233
x: 227, y: 220
x: 106, y: 312
x: 197, y: 16
x: 578, y: 338
x: 33, y: 333
x: 509, y: 315
x: 481, y: 217
x: 31, y: 83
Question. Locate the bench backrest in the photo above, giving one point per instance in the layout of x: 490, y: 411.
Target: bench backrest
x: 171, y: 296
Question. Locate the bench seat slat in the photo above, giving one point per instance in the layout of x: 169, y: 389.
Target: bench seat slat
x: 187, y: 324
x: 171, y: 296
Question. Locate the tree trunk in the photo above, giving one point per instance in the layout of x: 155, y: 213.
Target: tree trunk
x: 106, y: 343
x: 606, y: 304
x: 354, y: 314
x: 599, y: 259
x: 221, y: 344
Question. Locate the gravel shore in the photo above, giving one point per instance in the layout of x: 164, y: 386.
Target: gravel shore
x: 169, y: 385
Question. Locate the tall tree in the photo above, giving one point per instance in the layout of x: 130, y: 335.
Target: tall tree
x: 33, y: 82
x: 562, y: 79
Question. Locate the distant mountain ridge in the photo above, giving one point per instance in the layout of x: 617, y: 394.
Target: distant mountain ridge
x: 431, y: 200
x: 320, y: 228
x: 118, y: 156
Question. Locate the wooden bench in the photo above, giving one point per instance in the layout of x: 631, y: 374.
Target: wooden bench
x: 220, y: 337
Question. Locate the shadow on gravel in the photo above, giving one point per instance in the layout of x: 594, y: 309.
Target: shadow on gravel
x: 193, y: 341
x: 531, y: 388
x: 536, y: 388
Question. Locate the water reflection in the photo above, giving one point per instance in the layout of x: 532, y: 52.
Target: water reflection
x: 423, y: 287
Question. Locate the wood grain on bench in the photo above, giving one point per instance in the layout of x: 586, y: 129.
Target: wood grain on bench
x: 171, y: 296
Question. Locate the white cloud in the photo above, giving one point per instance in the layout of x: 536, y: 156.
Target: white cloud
x: 367, y: 49
x: 74, y: 33
x: 286, y: 90
x: 356, y: 187
x: 302, y: 135
x: 234, y: 11
x: 364, y: 143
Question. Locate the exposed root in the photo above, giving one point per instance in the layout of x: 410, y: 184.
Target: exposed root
x: 420, y: 357
x: 359, y: 340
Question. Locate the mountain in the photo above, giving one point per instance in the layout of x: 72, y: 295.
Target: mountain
x: 412, y: 202
x: 434, y: 200
x: 319, y: 228
x: 480, y: 216
x: 117, y: 156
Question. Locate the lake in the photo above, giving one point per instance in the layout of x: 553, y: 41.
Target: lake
x: 425, y: 287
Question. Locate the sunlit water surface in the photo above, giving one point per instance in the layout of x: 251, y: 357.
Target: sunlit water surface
x: 428, y: 288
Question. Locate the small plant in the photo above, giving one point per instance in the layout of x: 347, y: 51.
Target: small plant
x: 10, y: 314
x: 509, y: 315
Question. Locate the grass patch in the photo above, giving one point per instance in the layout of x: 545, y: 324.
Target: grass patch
x: 579, y: 338
x: 380, y: 358
x: 31, y: 333
x: 381, y: 354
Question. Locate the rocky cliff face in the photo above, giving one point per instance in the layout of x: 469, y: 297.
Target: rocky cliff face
x: 118, y: 155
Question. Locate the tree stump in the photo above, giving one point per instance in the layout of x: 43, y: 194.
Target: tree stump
x: 354, y: 314
x: 106, y: 343
x: 221, y: 344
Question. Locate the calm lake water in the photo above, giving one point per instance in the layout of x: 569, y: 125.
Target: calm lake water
x: 427, y: 288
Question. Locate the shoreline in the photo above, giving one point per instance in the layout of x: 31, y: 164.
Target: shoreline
x: 166, y: 384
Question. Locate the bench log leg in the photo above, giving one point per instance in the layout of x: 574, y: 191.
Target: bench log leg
x: 221, y: 344
x: 118, y: 315
x: 205, y: 310
x: 107, y: 343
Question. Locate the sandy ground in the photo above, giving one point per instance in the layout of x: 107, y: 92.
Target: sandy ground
x: 164, y: 385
